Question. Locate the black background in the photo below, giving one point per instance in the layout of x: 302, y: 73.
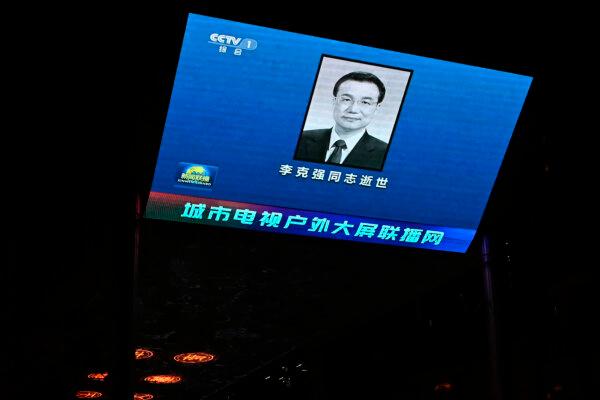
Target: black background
x: 94, y: 84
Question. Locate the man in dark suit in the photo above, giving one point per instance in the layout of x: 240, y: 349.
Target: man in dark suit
x: 357, y: 97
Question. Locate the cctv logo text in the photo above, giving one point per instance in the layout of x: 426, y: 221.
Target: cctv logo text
x: 232, y: 41
x: 225, y: 39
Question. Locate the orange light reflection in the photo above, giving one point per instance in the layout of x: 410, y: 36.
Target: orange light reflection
x: 163, y: 379
x: 443, y: 387
x: 142, y: 354
x: 87, y: 394
x: 97, y: 376
x: 142, y: 396
x: 194, y: 358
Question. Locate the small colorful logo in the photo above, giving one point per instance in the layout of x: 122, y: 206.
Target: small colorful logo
x: 197, y: 175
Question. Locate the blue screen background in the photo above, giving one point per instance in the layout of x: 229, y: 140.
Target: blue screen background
x: 243, y: 114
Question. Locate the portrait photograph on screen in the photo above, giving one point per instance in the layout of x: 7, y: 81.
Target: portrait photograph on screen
x: 352, y: 113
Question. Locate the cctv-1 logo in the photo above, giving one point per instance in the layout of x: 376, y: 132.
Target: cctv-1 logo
x: 232, y: 41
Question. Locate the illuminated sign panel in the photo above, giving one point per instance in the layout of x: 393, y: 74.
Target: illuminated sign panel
x: 275, y: 131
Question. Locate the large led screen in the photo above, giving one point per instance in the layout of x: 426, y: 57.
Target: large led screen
x: 281, y: 132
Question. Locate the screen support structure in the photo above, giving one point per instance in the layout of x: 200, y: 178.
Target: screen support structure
x: 495, y: 387
x: 136, y: 246
x: 123, y: 376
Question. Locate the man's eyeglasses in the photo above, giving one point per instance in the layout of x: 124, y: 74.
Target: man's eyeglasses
x: 363, y: 104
